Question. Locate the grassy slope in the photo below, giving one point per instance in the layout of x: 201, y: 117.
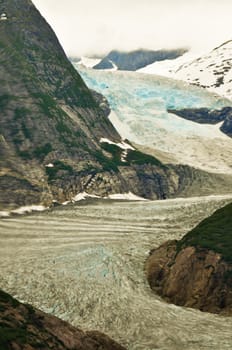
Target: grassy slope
x: 213, y: 233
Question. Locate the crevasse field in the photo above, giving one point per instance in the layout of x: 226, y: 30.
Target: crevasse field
x: 85, y: 264
x: 139, y: 104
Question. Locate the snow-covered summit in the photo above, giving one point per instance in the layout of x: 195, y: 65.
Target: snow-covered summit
x: 168, y: 67
x: 212, y: 71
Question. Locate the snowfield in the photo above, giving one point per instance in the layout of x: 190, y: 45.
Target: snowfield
x: 212, y: 71
x: 168, y: 68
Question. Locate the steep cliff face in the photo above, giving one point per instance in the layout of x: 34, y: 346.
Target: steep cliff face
x: 23, y: 327
x: 197, y: 270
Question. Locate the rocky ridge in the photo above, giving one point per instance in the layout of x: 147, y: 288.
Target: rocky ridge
x: 197, y: 270
x: 131, y: 61
x: 23, y: 327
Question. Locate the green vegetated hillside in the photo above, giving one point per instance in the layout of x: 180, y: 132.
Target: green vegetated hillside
x: 213, y: 233
x: 51, y: 125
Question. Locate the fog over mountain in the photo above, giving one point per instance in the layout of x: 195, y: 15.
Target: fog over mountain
x: 90, y: 27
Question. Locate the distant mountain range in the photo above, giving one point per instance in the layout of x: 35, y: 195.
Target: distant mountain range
x: 137, y: 59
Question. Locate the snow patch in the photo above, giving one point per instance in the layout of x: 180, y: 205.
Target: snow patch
x: 88, y: 62
x: 114, y: 66
x: 66, y: 203
x: 120, y: 196
x: 123, y: 145
x: 4, y: 214
x: 82, y: 196
x: 168, y: 68
x: 3, y: 17
x: 28, y: 209
x: 126, y: 196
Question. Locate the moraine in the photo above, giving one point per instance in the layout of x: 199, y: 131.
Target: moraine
x: 84, y: 263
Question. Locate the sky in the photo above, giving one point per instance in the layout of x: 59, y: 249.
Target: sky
x: 95, y: 27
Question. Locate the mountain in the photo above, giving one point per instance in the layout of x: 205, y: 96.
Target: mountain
x: 168, y: 67
x: 51, y: 123
x: 52, y: 127
x: 197, y: 270
x: 137, y: 59
x: 48, y: 115
x: 24, y: 327
x: 212, y: 71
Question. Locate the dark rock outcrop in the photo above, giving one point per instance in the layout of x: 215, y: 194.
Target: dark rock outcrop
x: 207, y: 116
x: 137, y: 59
x: 23, y: 327
x: 197, y: 270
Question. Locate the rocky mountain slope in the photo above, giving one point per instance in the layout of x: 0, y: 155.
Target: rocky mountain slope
x: 197, y: 270
x: 137, y: 59
x: 212, y: 71
x: 51, y: 126
x: 24, y: 327
x: 47, y: 112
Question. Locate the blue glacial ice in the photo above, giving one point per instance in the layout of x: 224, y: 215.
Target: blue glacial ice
x: 139, y: 104
x: 134, y: 96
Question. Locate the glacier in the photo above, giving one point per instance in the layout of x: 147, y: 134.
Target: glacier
x: 210, y: 70
x: 139, y: 104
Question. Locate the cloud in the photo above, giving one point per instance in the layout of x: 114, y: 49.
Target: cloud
x: 95, y: 27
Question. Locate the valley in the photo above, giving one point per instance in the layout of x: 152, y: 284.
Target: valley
x: 98, y: 168
x: 85, y: 264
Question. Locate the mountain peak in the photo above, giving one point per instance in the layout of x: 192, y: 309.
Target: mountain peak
x: 212, y: 71
x: 226, y: 43
x: 136, y: 59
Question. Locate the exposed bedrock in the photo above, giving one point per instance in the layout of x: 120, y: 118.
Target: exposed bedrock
x: 23, y: 327
x: 197, y: 270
